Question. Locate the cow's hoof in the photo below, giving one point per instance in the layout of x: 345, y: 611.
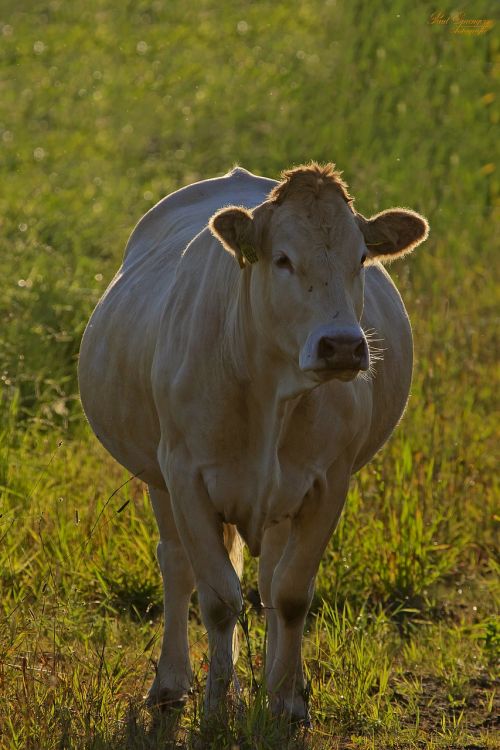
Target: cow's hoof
x: 302, y: 722
x: 298, y: 721
x: 165, y: 699
x: 297, y: 715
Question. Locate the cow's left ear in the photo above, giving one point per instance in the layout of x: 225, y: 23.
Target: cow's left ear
x: 393, y: 233
x: 234, y: 227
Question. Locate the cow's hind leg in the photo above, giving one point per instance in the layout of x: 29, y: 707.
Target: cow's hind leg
x: 173, y: 678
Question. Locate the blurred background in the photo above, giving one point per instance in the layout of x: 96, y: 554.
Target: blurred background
x: 107, y: 107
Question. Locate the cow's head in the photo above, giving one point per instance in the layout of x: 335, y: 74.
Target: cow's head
x: 305, y: 250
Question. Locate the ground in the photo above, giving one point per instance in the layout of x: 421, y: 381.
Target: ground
x: 105, y: 108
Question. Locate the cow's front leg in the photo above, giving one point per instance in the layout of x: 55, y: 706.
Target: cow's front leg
x: 173, y: 677
x: 292, y: 590
x: 219, y: 593
x: 273, y: 544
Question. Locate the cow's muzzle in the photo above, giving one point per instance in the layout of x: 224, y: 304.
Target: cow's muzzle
x: 343, y: 352
x: 335, y: 351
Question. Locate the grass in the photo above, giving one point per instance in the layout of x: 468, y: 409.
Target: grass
x: 106, y: 107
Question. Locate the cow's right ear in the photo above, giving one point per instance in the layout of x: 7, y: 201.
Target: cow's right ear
x: 234, y: 227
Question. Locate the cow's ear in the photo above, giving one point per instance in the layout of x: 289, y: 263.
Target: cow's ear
x: 234, y: 227
x: 393, y: 233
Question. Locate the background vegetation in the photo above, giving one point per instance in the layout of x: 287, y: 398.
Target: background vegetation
x: 104, y: 108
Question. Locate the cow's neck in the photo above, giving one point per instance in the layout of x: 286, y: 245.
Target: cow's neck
x: 252, y: 358
x: 260, y: 376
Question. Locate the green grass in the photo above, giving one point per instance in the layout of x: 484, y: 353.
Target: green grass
x: 106, y: 107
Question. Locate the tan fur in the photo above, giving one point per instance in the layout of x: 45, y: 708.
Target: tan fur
x: 393, y: 233
x: 310, y: 181
x: 233, y: 227
x: 234, y: 545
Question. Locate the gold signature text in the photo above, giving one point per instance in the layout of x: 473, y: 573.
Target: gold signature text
x: 458, y: 23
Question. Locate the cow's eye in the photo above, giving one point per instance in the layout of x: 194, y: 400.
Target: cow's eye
x: 283, y: 261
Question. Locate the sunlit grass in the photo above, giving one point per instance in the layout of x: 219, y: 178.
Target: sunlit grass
x: 104, y: 108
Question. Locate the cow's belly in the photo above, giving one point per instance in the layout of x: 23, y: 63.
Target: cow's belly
x: 128, y: 430
x: 114, y: 378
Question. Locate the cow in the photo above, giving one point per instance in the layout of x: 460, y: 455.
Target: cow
x: 231, y: 366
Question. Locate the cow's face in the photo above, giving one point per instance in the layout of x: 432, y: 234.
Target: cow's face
x: 305, y: 257
x: 310, y: 287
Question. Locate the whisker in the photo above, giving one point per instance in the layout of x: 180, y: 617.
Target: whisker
x: 371, y: 331
x: 376, y: 352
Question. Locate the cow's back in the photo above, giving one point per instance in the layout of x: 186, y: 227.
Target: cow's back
x: 119, y: 342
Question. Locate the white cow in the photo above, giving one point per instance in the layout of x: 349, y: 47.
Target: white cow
x: 228, y: 365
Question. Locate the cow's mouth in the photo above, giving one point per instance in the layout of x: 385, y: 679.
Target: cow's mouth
x: 346, y: 375
x: 325, y: 374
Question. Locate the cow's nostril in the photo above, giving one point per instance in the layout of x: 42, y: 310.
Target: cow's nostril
x: 359, y: 351
x: 326, y: 348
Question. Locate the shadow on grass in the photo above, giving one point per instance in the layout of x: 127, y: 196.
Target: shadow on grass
x: 138, y: 599
x: 143, y: 731
x: 237, y: 729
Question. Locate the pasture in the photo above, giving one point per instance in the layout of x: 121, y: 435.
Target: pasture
x: 104, y: 109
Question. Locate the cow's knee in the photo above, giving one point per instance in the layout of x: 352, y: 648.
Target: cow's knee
x: 220, y: 605
x: 291, y: 600
x: 292, y: 608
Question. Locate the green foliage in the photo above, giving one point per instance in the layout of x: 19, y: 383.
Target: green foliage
x: 491, y: 640
x: 106, y: 107
x: 352, y: 675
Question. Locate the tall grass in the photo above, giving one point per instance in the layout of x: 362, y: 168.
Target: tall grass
x: 106, y: 107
